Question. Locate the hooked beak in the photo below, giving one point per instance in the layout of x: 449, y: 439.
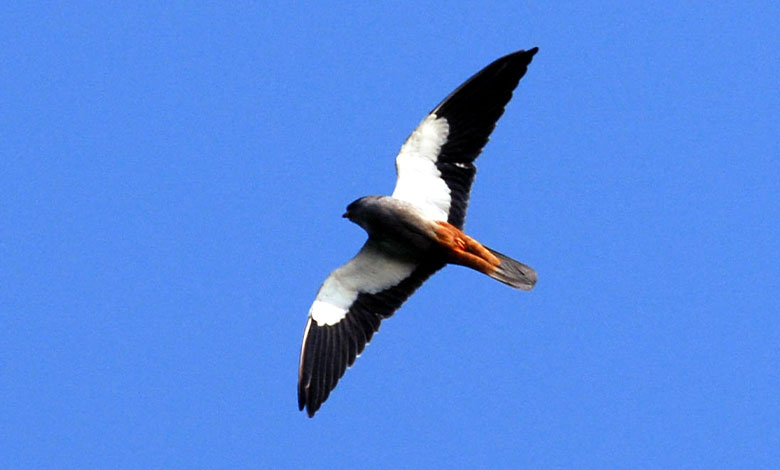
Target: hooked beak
x: 345, y: 215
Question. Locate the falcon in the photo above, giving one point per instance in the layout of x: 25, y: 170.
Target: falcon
x: 412, y: 233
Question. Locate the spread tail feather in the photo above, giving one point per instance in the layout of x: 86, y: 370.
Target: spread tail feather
x: 513, y: 273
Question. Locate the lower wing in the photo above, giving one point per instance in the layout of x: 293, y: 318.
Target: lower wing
x: 347, y: 312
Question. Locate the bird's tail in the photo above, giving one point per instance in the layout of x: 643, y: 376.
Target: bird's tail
x: 461, y: 249
x: 511, y: 272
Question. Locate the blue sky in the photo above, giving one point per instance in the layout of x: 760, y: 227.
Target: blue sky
x: 171, y: 186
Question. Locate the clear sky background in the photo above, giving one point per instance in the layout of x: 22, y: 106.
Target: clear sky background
x: 172, y: 179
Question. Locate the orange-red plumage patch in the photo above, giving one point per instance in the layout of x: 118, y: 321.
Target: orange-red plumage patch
x: 464, y: 250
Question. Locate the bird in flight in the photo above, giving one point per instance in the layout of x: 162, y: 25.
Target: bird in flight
x: 412, y: 233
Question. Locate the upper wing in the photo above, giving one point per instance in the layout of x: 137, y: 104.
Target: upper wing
x: 436, y: 163
x: 347, y: 311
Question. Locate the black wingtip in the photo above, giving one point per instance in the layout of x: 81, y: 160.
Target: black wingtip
x: 525, y: 55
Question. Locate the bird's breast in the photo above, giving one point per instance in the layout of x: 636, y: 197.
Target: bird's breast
x: 398, y: 225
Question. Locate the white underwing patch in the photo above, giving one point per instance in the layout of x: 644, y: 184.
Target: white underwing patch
x: 419, y: 180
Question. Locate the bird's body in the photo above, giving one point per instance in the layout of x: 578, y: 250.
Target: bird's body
x: 397, y: 225
x: 402, y: 231
x: 414, y: 232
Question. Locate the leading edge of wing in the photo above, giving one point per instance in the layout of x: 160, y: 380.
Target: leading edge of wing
x: 347, y: 312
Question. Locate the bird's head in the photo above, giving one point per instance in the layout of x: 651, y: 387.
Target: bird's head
x: 354, y: 208
x: 357, y: 209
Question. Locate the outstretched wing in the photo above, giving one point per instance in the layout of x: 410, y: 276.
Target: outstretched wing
x: 436, y: 163
x: 346, y: 313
